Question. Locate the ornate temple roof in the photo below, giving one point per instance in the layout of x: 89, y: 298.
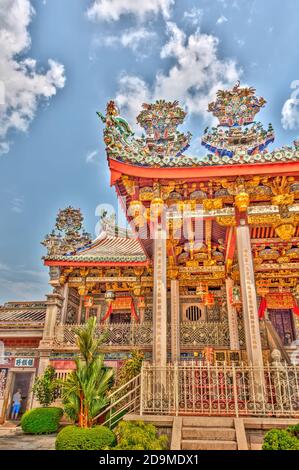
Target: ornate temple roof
x: 237, y: 139
x: 23, y: 312
x: 113, y: 245
x: 108, y: 249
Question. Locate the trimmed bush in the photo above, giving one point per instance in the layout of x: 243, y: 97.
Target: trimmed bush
x: 76, y: 438
x: 136, y: 435
x: 280, y: 439
x: 41, y: 420
x: 294, y: 430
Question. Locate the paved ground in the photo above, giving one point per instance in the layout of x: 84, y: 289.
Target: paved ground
x: 20, y: 441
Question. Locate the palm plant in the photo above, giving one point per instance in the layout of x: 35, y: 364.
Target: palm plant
x: 84, y: 391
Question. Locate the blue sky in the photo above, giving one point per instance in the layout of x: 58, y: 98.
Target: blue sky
x: 51, y: 147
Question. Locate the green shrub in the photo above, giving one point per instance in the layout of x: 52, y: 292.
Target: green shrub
x: 136, y: 435
x: 41, y: 420
x: 76, y: 438
x: 280, y: 439
x: 294, y: 430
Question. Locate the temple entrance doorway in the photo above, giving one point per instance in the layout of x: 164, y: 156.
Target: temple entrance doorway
x: 22, y: 381
x: 282, y: 320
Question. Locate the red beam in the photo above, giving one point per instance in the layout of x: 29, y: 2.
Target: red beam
x: 202, y: 172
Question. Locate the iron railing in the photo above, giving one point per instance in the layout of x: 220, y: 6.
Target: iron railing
x: 126, y: 399
x: 231, y: 390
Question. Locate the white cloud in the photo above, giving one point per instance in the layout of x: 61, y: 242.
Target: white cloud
x: 240, y: 42
x: 193, y: 16
x: 193, y: 79
x: 17, y: 204
x: 290, y: 109
x: 4, y: 267
x: 221, y: 19
x: 133, y: 91
x: 20, y: 283
x: 91, y: 156
x: 140, y: 40
x: 23, y: 84
x: 13, y: 290
x: 112, y: 10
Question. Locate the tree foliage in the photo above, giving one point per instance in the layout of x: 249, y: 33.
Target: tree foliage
x: 131, y: 367
x: 46, y: 387
x: 85, y: 389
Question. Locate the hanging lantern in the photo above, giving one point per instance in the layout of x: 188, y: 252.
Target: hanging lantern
x: 209, y: 299
x: 201, y: 290
x: 180, y: 205
x: 109, y: 296
x: 157, y: 206
x: 135, y: 208
x: 242, y: 201
x: 82, y: 290
x: 139, y: 221
x: 263, y: 289
x: 88, y: 301
x: 141, y: 302
x: 137, y: 290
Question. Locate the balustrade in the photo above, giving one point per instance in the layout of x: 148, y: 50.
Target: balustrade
x: 192, y: 334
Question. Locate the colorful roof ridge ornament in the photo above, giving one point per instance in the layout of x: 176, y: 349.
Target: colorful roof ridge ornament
x: 236, y: 107
x: 160, y: 121
x: 237, y: 132
x: 68, y: 235
x: 237, y: 139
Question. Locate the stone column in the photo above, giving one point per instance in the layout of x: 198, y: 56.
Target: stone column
x: 65, y: 303
x: 232, y: 318
x: 175, y: 320
x: 54, y: 304
x: 249, y: 300
x: 160, y: 297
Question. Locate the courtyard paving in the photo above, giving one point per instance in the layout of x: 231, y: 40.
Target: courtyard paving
x: 17, y: 440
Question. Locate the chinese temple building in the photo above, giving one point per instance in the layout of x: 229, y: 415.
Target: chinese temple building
x: 208, y: 270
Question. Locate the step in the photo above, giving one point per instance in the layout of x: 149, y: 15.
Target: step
x: 208, y: 422
x: 204, y: 433
x: 256, y: 446
x: 191, y: 444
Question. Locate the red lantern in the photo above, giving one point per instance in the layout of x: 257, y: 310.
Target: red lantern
x: 209, y: 299
x: 88, y: 301
x: 141, y: 302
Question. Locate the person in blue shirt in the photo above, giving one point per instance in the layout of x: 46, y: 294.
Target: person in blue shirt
x: 16, y: 404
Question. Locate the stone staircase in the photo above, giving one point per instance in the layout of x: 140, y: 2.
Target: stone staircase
x: 208, y: 433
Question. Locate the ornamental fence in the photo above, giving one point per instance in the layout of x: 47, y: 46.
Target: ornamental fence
x: 220, y: 390
x: 192, y: 334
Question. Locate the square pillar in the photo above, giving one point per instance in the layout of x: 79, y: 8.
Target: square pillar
x: 232, y: 318
x: 160, y: 297
x: 249, y: 300
x: 175, y: 320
